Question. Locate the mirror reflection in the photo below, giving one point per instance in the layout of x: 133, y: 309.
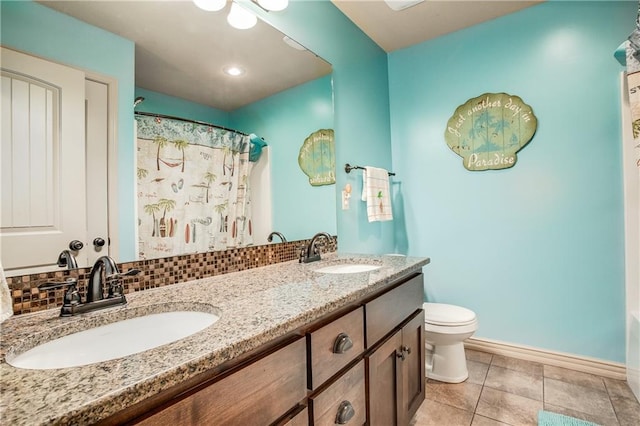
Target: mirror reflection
x: 282, y: 96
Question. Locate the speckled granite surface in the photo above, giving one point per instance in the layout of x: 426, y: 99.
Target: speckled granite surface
x: 256, y: 306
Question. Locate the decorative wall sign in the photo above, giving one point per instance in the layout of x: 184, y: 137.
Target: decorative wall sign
x: 317, y: 158
x: 489, y: 130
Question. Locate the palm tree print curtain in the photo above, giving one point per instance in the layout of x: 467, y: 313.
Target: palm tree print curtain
x: 193, y: 192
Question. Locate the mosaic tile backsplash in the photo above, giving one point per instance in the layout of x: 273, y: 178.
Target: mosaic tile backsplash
x: 154, y: 273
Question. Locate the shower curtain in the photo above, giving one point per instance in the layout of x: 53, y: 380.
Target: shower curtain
x: 193, y: 188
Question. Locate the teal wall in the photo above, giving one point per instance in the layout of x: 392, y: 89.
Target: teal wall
x: 284, y: 121
x: 361, y: 105
x: 536, y: 250
x: 36, y: 29
x: 160, y: 103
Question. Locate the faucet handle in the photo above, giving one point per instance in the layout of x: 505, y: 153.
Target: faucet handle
x: 130, y: 272
x: 71, y: 282
x: 71, y: 296
x: 115, y: 287
x: 117, y: 275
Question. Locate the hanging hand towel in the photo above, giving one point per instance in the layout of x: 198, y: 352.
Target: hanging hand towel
x: 375, y: 191
x: 6, y: 307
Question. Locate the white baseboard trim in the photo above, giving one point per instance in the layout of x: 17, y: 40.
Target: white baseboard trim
x: 599, y: 367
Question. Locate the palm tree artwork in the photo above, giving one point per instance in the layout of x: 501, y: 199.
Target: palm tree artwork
x: 152, y: 209
x: 220, y: 209
x: 181, y: 145
x: 209, y: 178
x: 167, y: 205
x: 161, y: 142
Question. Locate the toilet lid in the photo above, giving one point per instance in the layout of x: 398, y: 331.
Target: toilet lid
x: 443, y: 314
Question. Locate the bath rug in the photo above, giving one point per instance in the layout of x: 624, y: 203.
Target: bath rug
x: 547, y: 418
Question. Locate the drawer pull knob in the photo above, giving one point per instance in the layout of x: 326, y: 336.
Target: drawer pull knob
x: 342, y: 343
x: 400, y: 355
x: 406, y: 349
x: 345, y: 413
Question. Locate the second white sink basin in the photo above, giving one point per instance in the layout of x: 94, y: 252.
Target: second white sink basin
x: 114, y: 340
x: 347, y: 268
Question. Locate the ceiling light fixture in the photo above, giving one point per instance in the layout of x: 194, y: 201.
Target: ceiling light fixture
x: 241, y: 18
x: 211, y: 5
x: 233, y: 71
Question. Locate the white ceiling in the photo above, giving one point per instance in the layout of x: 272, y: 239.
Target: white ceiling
x: 181, y: 50
x: 426, y: 20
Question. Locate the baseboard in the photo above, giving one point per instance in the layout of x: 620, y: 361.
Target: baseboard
x: 609, y: 369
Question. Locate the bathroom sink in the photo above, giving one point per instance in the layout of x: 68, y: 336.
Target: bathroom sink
x: 347, y: 268
x: 115, y: 340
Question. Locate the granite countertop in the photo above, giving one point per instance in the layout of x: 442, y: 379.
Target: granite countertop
x: 255, y: 307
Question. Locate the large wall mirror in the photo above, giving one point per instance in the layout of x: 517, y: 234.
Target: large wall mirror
x: 284, y: 94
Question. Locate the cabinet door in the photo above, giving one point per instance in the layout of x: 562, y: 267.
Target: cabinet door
x: 412, y: 369
x: 258, y: 394
x: 384, y: 382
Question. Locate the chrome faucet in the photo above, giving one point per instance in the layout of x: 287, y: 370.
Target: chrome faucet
x: 278, y: 234
x: 311, y: 252
x: 67, y: 259
x: 104, y: 274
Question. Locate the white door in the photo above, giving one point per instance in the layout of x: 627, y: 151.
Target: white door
x: 42, y: 152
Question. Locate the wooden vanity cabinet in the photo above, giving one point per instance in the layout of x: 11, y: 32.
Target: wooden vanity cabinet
x: 395, y: 363
x: 258, y: 394
x: 361, y: 365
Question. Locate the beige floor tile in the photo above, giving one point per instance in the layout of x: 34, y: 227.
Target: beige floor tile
x: 579, y: 398
x: 618, y: 388
x: 433, y: 413
x: 477, y: 372
x: 575, y: 377
x: 478, y: 356
x: 517, y: 364
x: 604, y: 421
x: 508, y: 408
x: 520, y: 383
x: 485, y: 421
x: 460, y: 395
x: 624, y: 402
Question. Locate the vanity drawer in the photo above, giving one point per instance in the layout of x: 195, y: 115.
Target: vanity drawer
x: 335, y: 345
x: 257, y: 394
x: 385, y: 312
x: 345, y: 394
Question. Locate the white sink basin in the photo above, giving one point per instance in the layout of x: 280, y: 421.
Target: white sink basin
x: 347, y: 268
x: 114, y: 340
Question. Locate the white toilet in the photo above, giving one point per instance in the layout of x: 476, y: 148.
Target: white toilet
x: 446, y: 327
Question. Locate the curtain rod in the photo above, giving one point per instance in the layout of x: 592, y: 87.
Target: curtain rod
x: 152, y: 114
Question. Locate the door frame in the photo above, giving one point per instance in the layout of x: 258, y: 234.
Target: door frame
x: 112, y: 156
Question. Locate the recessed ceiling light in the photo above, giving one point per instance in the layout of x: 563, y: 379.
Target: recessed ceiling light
x: 233, y: 71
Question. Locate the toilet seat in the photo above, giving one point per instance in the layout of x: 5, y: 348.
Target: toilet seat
x: 442, y: 314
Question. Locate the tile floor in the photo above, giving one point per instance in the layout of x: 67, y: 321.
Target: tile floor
x: 509, y: 391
